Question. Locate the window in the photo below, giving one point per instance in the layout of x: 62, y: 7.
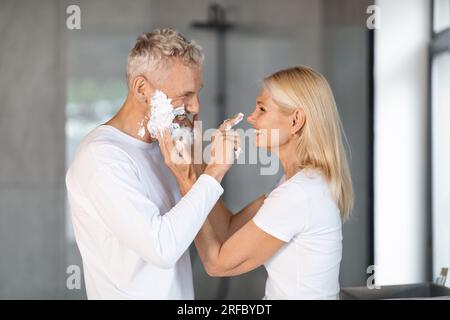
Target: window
x: 440, y: 135
x: 96, y: 86
x: 441, y: 15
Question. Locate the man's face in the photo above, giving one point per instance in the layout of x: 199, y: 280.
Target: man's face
x: 182, y: 83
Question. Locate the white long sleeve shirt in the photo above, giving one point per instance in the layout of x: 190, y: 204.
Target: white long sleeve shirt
x: 132, y: 226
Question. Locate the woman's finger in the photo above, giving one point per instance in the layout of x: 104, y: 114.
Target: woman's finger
x: 232, y: 135
x: 233, y: 138
x: 231, y: 122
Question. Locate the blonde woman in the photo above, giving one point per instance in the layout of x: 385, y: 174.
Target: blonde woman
x: 295, y: 231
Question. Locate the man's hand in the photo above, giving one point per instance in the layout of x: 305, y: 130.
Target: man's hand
x: 178, y: 159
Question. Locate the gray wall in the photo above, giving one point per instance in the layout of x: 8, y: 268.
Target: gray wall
x: 32, y: 153
x: 37, y: 55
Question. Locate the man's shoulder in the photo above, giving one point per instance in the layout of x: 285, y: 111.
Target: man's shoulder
x: 101, y: 145
x: 100, y: 149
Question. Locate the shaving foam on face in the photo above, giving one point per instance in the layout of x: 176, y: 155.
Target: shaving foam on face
x: 179, y: 111
x: 161, y: 117
x: 141, y: 131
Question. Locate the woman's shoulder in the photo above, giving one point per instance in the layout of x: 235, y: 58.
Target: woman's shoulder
x: 288, y: 191
x: 304, y: 180
x: 303, y: 187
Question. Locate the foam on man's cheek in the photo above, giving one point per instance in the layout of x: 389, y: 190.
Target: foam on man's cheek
x: 162, y: 115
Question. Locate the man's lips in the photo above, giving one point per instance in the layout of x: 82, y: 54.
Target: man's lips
x: 183, y: 121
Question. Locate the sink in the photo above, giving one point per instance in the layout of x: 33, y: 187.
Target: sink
x: 408, y: 291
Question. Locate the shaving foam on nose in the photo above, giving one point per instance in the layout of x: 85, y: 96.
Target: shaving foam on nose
x: 238, y: 118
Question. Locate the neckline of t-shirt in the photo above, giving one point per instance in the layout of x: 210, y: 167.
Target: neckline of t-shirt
x: 304, y: 173
x: 122, y: 135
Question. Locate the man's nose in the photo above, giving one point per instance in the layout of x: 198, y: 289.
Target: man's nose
x: 194, y: 106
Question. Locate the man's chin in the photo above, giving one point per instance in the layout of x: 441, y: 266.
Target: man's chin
x: 183, y: 134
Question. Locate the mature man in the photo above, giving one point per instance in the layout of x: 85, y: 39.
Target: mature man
x: 132, y: 225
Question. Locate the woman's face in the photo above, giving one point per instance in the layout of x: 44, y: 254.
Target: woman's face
x: 273, y: 127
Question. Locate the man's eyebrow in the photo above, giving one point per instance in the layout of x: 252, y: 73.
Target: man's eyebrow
x: 183, y: 94
x: 188, y: 93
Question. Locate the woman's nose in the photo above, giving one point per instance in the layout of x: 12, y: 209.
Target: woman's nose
x: 251, y: 119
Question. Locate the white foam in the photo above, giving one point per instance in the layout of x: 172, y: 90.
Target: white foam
x: 161, y: 113
x: 141, y: 132
x: 238, y: 118
x: 179, y: 111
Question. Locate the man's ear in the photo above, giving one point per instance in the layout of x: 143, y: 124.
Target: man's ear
x: 142, y: 89
x: 298, y: 120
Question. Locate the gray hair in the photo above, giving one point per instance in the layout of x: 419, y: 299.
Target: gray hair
x: 154, y: 49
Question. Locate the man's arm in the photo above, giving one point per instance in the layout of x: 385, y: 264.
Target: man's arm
x: 135, y: 220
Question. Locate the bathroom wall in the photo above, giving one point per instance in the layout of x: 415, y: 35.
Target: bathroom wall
x: 32, y: 113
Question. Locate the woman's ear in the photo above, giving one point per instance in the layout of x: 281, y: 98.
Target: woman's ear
x: 142, y: 89
x: 298, y: 120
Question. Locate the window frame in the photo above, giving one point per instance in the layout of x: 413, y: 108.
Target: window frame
x: 439, y: 44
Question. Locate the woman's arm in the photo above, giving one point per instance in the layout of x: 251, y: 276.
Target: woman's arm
x: 225, y: 223
x: 248, y: 248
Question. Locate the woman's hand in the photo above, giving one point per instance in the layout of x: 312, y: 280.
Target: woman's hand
x: 178, y: 159
x: 231, y: 122
x: 197, y: 146
x: 223, y: 147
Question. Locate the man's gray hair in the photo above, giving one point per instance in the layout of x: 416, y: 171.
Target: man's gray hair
x: 154, y: 49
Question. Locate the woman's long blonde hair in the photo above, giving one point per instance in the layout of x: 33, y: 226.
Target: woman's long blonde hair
x: 320, y: 140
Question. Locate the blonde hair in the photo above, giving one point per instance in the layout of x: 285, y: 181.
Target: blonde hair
x: 320, y: 140
x: 154, y: 49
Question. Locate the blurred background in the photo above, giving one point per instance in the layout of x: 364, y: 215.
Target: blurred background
x: 388, y: 63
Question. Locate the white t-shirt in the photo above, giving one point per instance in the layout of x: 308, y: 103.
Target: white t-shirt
x: 302, y: 213
x: 131, y: 225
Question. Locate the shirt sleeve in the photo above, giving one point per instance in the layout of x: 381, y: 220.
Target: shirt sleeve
x: 275, y: 185
x: 118, y: 195
x: 283, y: 213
